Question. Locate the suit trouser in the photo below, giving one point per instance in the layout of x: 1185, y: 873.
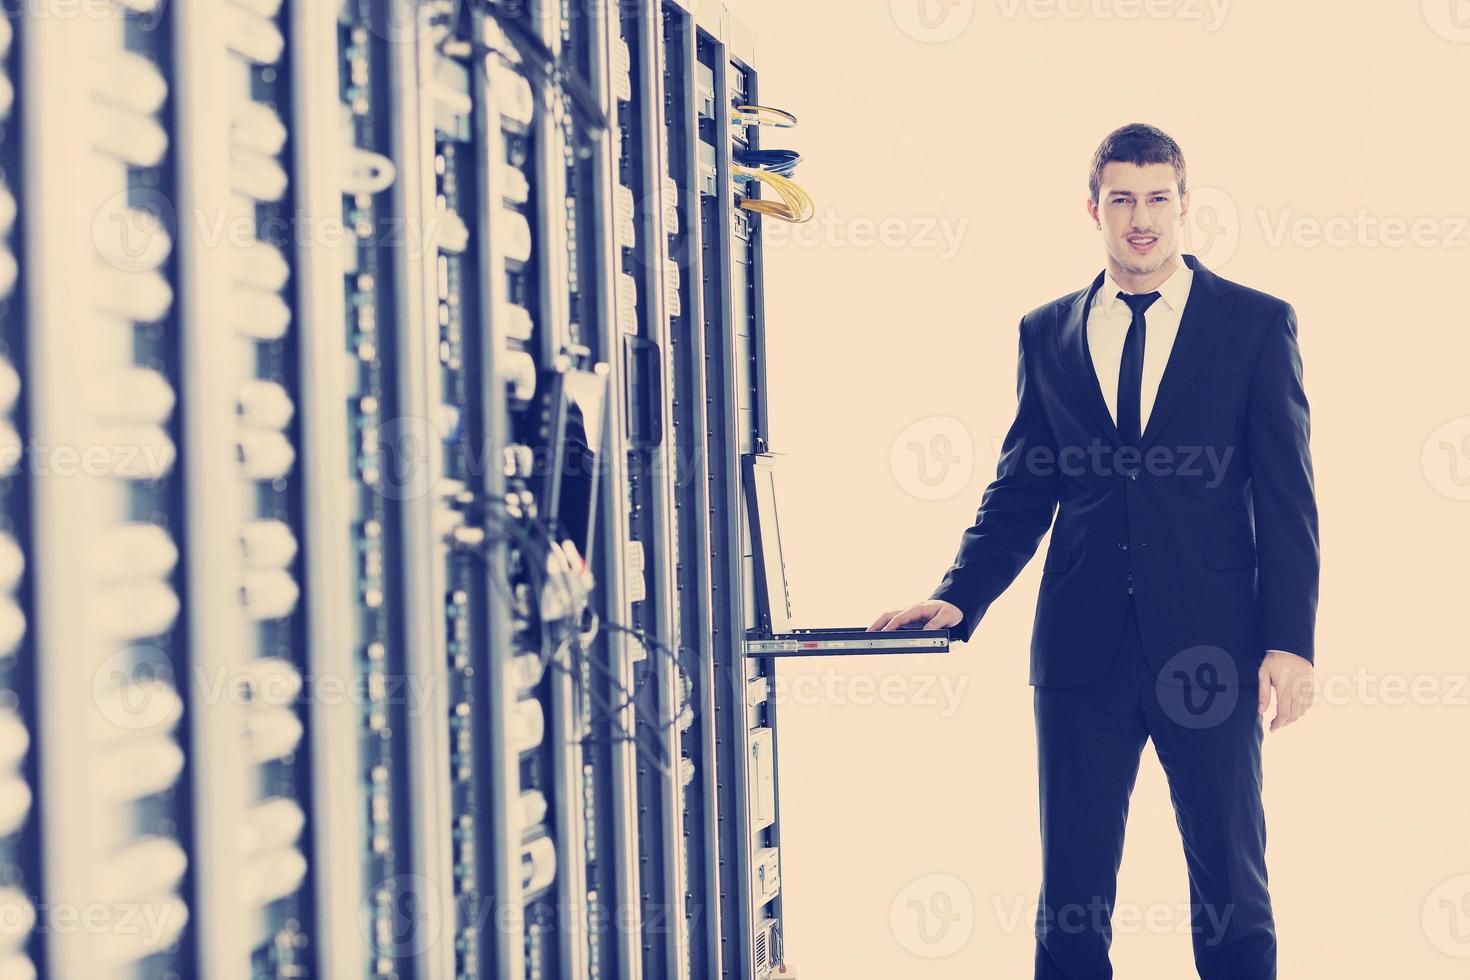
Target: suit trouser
x: 1208, y: 739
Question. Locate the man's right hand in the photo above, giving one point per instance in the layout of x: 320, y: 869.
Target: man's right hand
x: 935, y: 614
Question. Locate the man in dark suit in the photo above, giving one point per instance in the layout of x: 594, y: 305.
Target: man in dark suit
x: 1163, y: 422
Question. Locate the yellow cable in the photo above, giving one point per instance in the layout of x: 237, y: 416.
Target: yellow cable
x: 795, y: 205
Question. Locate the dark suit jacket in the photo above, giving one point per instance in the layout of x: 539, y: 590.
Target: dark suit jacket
x: 1211, y: 520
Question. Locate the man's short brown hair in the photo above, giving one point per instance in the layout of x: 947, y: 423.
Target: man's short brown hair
x: 1140, y: 144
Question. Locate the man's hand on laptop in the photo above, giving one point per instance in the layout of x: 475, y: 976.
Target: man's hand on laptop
x: 933, y: 614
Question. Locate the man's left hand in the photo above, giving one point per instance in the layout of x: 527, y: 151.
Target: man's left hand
x: 1295, y: 681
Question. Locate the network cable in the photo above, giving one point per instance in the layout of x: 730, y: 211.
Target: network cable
x: 524, y: 532
x: 762, y: 115
x: 795, y: 204
x: 782, y: 162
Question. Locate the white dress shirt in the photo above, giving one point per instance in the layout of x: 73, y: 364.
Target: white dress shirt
x: 1107, y: 328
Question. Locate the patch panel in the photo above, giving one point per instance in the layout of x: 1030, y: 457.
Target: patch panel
x: 345, y: 186
x: 458, y: 580
x: 131, y: 648
x: 275, y: 857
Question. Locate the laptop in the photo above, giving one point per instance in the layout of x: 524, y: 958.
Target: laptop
x: 773, y: 634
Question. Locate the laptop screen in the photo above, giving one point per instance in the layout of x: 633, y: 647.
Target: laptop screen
x: 772, y: 596
x: 578, y: 404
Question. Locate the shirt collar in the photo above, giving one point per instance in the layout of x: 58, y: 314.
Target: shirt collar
x: 1173, y: 291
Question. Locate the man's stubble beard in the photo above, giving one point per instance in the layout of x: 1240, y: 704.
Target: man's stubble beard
x: 1127, y: 261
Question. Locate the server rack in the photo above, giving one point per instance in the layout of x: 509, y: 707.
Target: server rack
x: 303, y: 672
x: 20, y: 817
x: 734, y: 333
x: 116, y: 587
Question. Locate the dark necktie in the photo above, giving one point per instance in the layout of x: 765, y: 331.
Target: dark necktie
x: 1130, y: 370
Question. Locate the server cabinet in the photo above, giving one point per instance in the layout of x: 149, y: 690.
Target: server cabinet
x: 374, y: 380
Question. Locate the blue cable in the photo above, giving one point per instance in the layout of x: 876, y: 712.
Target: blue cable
x: 780, y: 162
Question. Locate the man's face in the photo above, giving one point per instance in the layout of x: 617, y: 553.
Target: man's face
x: 1141, y: 213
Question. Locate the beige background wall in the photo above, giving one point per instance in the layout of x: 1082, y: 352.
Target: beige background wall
x: 948, y: 156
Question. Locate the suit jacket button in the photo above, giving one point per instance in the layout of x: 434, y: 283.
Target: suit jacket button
x: 1122, y: 545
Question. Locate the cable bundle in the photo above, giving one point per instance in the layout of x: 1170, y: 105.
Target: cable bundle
x: 771, y: 167
x: 566, y: 627
x: 781, y: 162
x: 795, y: 204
